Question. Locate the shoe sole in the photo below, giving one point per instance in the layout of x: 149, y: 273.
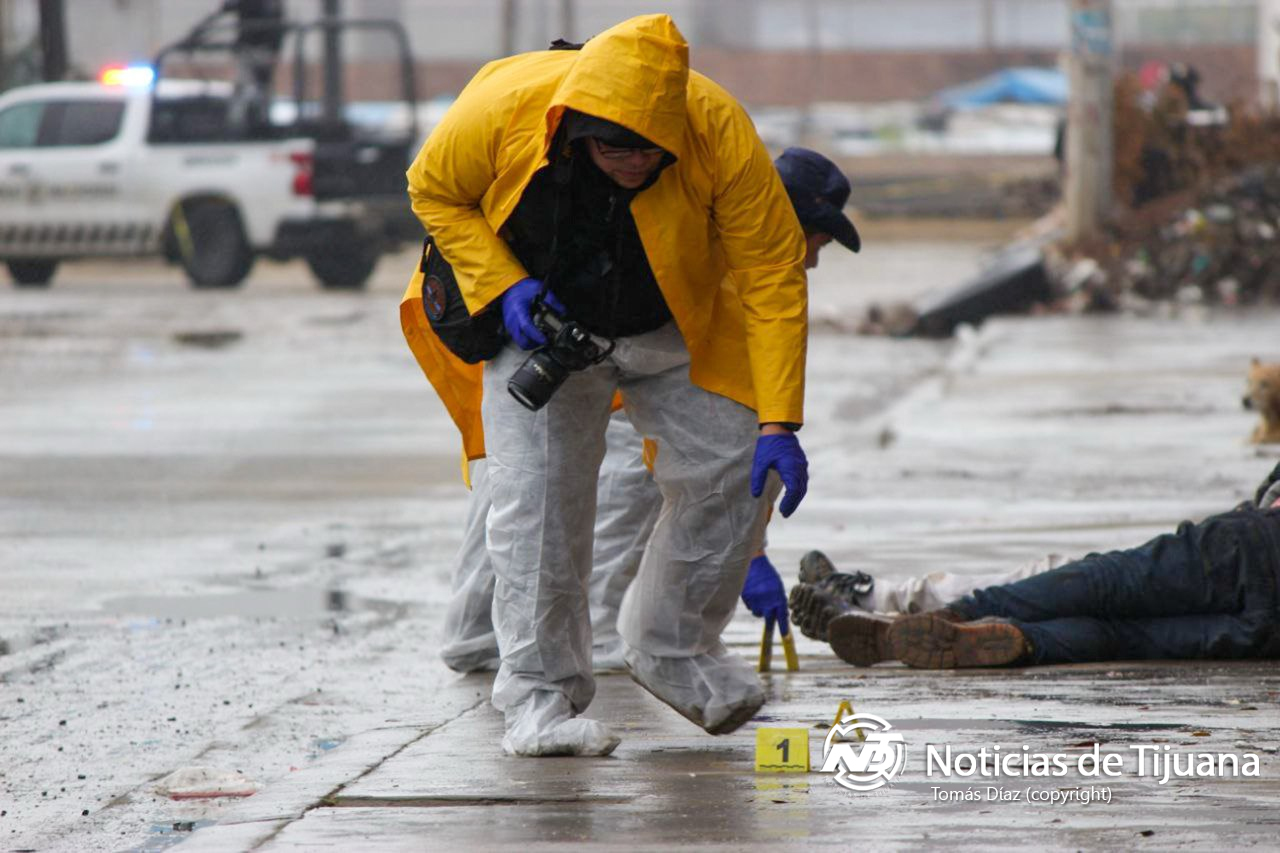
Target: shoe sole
x: 860, y: 640
x: 732, y: 723
x: 929, y: 641
x: 810, y: 612
x: 736, y: 720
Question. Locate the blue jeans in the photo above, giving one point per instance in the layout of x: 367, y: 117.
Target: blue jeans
x: 1209, y: 590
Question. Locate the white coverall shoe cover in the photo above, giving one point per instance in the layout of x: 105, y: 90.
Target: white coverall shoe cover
x: 716, y: 690
x: 544, y: 725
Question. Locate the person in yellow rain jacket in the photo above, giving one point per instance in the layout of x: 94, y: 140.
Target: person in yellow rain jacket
x: 613, y: 188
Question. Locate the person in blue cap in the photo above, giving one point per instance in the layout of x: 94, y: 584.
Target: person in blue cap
x: 627, y: 498
x: 819, y: 192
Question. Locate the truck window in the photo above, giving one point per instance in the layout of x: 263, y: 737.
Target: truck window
x: 80, y: 122
x: 201, y: 118
x: 19, y: 125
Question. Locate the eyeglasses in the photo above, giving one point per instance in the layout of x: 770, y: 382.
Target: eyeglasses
x: 611, y: 152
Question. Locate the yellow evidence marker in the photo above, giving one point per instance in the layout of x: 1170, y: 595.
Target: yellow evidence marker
x: 845, y: 710
x: 782, y: 750
x: 766, y: 649
x: 789, y: 648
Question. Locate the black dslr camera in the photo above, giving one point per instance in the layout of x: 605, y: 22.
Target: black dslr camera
x: 569, y: 347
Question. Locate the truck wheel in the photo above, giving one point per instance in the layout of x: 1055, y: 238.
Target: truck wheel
x: 212, y: 247
x: 344, y: 264
x: 32, y: 273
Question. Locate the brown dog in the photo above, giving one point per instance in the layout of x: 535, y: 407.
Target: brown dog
x: 1264, y: 398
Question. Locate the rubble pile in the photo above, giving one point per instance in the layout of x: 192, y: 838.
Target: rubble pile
x: 1221, y: 246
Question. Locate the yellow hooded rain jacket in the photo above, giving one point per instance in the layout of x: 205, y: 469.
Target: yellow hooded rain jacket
x: 719, y: 231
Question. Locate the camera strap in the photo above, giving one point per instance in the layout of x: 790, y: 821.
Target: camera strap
x: 562, y: 164
x: 615, y: 273
x: 561, y: 177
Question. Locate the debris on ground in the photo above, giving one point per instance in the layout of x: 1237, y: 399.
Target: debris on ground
x: 1203, y: 190
x: 1216, y: 247
x: 1014, y: 282
x: 894, y: 319
x: 1197, y: 222
x: 200, y: 783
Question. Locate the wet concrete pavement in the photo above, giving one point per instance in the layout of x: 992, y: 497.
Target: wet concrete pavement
x: 669, y: 786
x: 301, y: 468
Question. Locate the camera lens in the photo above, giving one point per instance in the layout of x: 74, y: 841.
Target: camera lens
x: 537, y: 379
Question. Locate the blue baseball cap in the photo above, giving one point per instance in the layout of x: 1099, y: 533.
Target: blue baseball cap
x: 819, y: 191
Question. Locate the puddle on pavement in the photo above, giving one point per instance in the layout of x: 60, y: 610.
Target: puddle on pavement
x: 322, y: 745
x: 336, y: 319
x: 208, y: 339
x: 1028, y: 726
x: 166, y: 835
x: 290, y: 603
x: 1124, y: 410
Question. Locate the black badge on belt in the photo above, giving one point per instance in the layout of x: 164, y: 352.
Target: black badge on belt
x: 433, y: 298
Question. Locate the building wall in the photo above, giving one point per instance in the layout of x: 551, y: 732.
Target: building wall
x: 765, y: 51
x: 791, y: 78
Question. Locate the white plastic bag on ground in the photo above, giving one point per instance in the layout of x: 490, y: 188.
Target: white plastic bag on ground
x: 195, y: 783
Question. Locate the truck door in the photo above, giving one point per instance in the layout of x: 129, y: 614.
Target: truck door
x: 19, y: 126
x: 77, y: 180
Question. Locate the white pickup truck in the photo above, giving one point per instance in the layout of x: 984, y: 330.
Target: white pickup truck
x: 92, y: 170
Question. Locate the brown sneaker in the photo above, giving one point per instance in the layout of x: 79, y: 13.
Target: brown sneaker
x: 930, y: 641
x: 861, y: 639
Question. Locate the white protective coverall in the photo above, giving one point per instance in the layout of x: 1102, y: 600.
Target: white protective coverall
x: 938, y: 589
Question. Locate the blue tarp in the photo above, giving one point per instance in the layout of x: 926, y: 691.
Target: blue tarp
x: 1012, y: 85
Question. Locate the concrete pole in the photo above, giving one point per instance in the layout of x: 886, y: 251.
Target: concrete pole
x: 568, y: 22
x: 813, y: 37
x: 1089, y: 142
x: 53, y: 40
x: 333, y: 66
x: 508, y: 47
x: 1269, y: 53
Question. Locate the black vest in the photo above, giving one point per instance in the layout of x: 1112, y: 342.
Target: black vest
x: 573, y: 229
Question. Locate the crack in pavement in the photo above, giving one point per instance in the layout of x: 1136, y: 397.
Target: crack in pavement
x: 333, y: 797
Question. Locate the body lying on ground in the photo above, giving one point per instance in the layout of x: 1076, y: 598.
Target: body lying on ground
x: 1210, y: 590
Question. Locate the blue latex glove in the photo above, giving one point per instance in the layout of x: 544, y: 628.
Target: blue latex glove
x: 783, y: 454
x: 517, y: 312
x: 764, y: 593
